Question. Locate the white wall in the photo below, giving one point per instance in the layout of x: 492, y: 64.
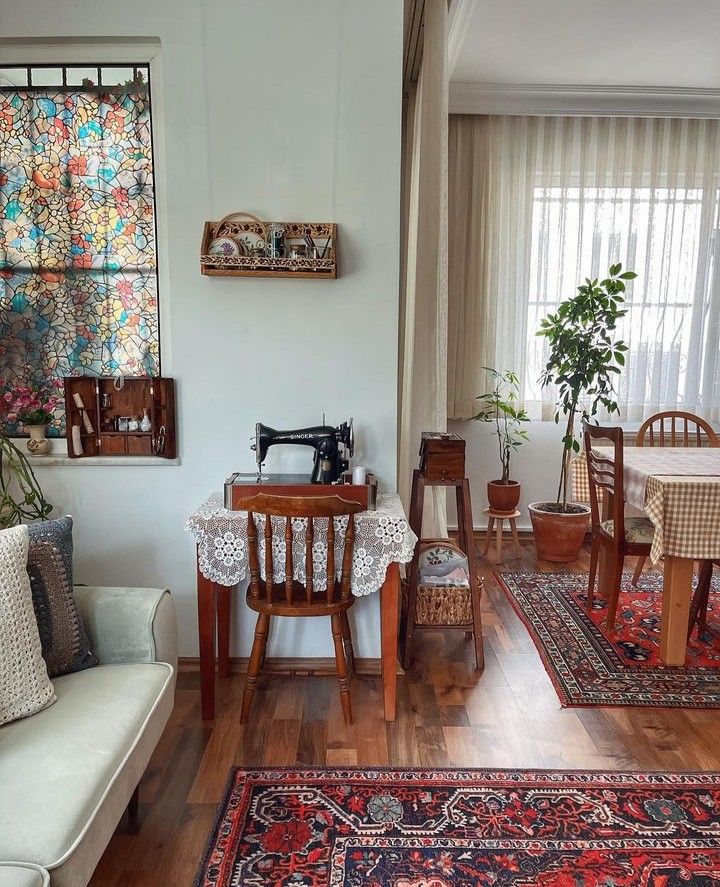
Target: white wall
x: 536, y: 466
x: 284, y: 109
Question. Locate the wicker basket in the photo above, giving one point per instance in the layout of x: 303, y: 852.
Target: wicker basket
x: 443, y: 605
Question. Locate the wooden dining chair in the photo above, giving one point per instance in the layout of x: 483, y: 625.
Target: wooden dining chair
x: 290, y: 597
x: 620, y: 535
x: 673, y: 428
x: 701, y: 598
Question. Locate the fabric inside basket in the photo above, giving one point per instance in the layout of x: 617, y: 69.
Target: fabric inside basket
x: 443, y: 564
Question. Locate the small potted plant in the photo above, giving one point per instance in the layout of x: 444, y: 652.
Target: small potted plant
x: 500, y: 406
x: 583, y: 363
x: 32, y: 404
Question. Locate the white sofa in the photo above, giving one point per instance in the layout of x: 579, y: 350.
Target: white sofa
x: 68, y: 773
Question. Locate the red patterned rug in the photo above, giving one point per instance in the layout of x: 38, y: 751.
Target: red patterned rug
x: 589, y: 668
x: 412, y: 828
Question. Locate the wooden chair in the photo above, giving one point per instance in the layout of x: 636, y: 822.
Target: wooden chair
x: 701, y: 598
x: 673, y: 429
x: 620, y: 535
x: 289, y: 597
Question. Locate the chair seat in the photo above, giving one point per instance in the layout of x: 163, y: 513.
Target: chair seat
x: 638, y: 530
x: 300, y: 606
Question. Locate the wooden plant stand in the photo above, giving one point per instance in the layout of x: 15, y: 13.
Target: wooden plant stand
x: 500, y: 516
x: 442, y: 463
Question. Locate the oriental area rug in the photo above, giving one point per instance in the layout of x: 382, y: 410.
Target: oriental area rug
x: 589, y: 667
x: 451, y: 828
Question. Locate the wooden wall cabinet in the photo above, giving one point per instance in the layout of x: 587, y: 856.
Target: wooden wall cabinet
x: 103, y: 405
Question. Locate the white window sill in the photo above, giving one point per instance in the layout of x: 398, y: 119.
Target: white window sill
x: 62, y: 460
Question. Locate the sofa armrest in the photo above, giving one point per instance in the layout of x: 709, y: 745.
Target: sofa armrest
x: 129, y: 624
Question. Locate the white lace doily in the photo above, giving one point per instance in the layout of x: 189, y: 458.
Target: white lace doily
x: 382, y: 537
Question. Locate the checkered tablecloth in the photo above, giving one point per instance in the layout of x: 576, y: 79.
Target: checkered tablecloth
x: 579, y: 477
x: 686, y: 514
x: 679, y: 490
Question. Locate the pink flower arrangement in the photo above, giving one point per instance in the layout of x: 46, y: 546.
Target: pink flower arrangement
x: 30, y: 403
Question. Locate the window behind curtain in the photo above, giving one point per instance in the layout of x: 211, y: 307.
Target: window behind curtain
x: 567, y: 197
x: 78, y: 273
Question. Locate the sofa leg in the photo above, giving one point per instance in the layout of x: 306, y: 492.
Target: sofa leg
x: 133, y: 807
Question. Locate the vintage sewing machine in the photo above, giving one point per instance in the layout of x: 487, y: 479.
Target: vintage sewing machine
x: 330, y: 474
x: 333, y: 448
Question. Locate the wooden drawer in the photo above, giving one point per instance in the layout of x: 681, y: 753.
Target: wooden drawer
x: 139, y: 444
x: 112, y: 444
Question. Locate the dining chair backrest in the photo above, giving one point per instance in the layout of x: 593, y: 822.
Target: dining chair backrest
x: 308, y: 508
x: 676, y: 429
x: 605, y: 475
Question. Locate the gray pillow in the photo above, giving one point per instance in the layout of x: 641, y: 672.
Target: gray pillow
x: 65, y: 645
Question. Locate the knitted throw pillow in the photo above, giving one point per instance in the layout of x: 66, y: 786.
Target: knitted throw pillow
x: 25, y: 687
x: 65, y: 645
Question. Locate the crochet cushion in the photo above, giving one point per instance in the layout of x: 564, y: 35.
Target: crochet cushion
x: 65, y: 645
x: 637, y: 529
x: 442, y: 564
x: 25, y: 687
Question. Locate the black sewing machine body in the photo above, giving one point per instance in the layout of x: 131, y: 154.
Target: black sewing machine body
x: 332, y: 447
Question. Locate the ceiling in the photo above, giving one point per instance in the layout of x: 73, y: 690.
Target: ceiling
x: 641, y: 43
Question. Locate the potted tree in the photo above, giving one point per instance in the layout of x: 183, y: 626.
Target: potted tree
x: 500, y: 406
x: 583, y: 362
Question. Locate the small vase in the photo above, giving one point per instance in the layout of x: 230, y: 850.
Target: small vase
x: 38, y: 444
x: 145, y: 423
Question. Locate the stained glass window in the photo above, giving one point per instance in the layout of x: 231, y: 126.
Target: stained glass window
x: 78, y: 275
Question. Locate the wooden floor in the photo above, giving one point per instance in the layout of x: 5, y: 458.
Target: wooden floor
x: 448, y: 715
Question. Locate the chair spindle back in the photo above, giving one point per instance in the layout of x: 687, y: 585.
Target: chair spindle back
x: 267, y: 507
x: 606, y: 474
x: 676, y: 429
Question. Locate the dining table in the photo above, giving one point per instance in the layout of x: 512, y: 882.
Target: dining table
x: 383, y: 542
x: 678, y: 488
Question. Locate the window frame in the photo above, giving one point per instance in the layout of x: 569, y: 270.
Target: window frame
x: 142, y: 52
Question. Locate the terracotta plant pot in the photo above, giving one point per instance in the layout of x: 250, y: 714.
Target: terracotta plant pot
x: 558, y: 537
x: 503, y: 497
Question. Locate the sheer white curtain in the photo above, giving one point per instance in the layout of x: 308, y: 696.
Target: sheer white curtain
x: 423, y: 310
x: 539, y: 203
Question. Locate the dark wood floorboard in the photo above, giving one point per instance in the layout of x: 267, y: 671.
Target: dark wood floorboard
x: 448, y: 715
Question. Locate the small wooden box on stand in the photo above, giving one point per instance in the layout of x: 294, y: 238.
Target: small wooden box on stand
x: 443, y: 588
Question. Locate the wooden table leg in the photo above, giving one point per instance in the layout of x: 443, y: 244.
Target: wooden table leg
x: 224, y: 601
x: 417, y: 501
x: 677, y: 591
x: 389, y: 619
x: 206, y: 638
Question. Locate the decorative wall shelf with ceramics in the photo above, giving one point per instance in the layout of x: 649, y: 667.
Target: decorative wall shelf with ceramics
x: 242, y: 245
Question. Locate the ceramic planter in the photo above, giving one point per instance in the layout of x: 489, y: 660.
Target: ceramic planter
x: 503, y: 497
x: 558, y: 537
x: 38, y: 444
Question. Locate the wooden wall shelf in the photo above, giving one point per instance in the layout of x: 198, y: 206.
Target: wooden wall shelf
x: 249, y: 232
x: 103, y: 404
